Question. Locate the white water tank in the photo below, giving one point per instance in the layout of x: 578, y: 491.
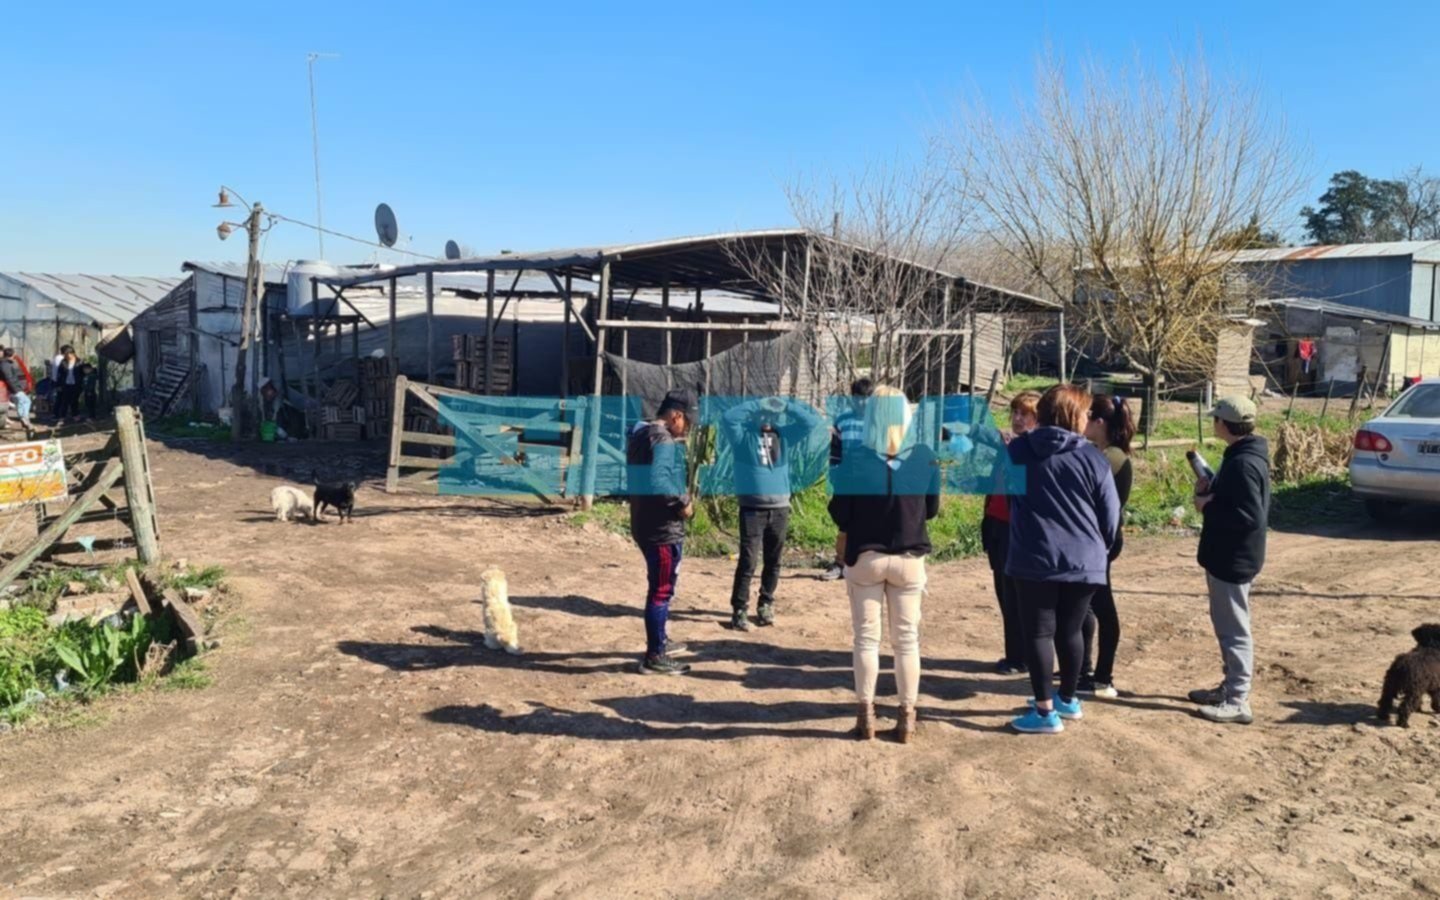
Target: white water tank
x: 300, y: 291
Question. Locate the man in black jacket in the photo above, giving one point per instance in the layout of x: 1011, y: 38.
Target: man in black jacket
x: 1236, y: 507
x: 659, y: 506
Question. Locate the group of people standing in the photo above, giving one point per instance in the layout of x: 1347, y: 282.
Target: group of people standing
x: 1051, y: 530
x: 71, y: 379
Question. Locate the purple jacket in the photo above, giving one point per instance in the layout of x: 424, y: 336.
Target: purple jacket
x: 1064, y: 522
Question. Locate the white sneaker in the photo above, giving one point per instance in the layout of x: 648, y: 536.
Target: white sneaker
x: 1227, y: 713
x: 1101, y: 689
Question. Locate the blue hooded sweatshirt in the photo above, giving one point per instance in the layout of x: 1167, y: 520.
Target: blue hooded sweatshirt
x: 1063, y: 525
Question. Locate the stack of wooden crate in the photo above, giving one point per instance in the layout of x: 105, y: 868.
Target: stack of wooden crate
x: 470, y: 364
x: 377, y: 393
x: 342, y: 418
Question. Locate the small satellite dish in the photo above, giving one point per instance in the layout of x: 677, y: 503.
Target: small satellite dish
x: 452, y: 250
x: 385, y: 227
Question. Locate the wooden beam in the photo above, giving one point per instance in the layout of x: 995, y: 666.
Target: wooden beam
x: 137, y: 593
x: 627, y: 325
x: 429, y: 326
x: 565, y: 345
x: 391, y: 343
x: 138, y: 494
x: 590, y: 458
x: 665, y: 308
x: 428, y: 440
x: 189, y: 622
x: 397, y: 431
x: 111, y: 473
x: 489, y: 327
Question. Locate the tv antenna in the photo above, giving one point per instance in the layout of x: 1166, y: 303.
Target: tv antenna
x: 315, y: 143
x: 385, y: 228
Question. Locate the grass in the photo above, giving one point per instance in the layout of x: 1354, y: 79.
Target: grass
x: 1020, y: 382
x: 181, y: 426
x: 49, y: 672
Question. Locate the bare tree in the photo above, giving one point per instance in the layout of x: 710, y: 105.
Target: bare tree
x: 871, y: 281
x: 1118, y: 196
x: 1417, y: 205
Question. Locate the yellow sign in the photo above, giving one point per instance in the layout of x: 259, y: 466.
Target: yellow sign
x: 32, y: 472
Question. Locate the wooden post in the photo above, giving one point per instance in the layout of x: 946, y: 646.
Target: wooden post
x: 397, y: 429
x: 1329, y: 391
x: 489, y: 326
x: 665, y: 308
x: 709, y: 388
x: 565, y: 354
x: 1200, y: 420
x: 1359, y: 389
x: 591, y: 457
x: 430, y: 327
x: 624, y: 377
x: 994, y: 383
x: 392, y: 343
x: 944, y: 342
x: 745, y: 359
x: 137, y: 493
x: 1063, y: 370
x: 974, y: 333
x: 1294, y: 391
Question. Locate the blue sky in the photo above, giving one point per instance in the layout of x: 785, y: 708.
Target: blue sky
x: 524, y: 126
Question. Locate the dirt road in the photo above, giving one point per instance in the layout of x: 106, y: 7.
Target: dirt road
x: 360, y: 741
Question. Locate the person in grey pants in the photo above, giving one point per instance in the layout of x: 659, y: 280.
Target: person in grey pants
x: 1236, y: 506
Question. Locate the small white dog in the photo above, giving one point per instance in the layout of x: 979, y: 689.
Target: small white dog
x: 500, y: 630
x: 288, y: 501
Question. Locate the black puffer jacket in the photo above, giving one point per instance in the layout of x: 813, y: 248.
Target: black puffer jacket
x: 1232, y: 540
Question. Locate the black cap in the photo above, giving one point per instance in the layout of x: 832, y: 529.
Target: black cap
x: 680, y: 400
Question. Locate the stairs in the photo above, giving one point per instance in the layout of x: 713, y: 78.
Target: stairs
x: 172, y: 384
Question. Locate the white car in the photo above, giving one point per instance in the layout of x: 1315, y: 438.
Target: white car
x: 1397, y: 456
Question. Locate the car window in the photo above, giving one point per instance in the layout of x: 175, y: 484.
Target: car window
x: 1423, y: 402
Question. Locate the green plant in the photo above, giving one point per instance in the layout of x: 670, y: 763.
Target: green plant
x: 1019, y: 382
x: 209, y: 577
x: 188, y: 676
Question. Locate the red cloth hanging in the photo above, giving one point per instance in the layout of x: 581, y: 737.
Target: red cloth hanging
x: 1305, y: 350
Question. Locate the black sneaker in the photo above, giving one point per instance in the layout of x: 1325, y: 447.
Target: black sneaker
x: 662, y: 665
x: 674, y: 647
x: 765, y: 615
x: 834, y: 573
x: 1006, y: 667
x: 1086, y: 684
x: 740, y: 621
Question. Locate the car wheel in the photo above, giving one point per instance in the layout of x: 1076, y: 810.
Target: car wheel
x: 1382, y: 510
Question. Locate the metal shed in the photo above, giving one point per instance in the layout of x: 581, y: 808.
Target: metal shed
x: 40, y: 312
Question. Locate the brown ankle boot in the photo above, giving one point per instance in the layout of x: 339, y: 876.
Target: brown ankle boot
x: 905, y: 724
x: 865, y: 722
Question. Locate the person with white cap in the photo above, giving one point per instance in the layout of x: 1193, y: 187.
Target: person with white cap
x: 1236, y: 505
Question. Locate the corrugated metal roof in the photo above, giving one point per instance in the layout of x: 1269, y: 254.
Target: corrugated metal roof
x: 1349, y: 312
x: 1423, y: 251
x: 106, y: 299
x: 275, y: 274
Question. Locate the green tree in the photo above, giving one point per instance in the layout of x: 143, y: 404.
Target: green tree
x: 1356, y: 209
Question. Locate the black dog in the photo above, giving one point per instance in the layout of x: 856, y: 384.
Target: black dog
x: 340, y: 496
x: 1413, y: 675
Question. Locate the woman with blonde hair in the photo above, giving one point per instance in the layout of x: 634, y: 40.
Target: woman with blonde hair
x: 884, y: 494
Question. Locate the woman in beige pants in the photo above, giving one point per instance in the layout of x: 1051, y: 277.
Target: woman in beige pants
x: 883, y: 497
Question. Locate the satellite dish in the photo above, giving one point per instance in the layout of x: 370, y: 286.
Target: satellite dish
x: 385, y: 227
x: 452, y: 250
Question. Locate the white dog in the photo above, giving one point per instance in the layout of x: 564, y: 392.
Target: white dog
x: 500, y: 630
x: 288, y: 501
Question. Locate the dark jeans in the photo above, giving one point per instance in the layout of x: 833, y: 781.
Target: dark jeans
x: 762, y: 536
x: 68, y: 402
x: 662, y: 571
x: 995, y: 536
x: 1053, y: 613
x: 92, y: 403
x: 1104, y: 618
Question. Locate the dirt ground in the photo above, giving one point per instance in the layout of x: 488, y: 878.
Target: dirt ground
x: 359, y: 740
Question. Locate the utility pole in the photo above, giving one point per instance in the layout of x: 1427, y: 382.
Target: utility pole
x: 254, y: 285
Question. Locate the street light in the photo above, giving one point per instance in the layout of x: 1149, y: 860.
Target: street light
x: 254, y: 287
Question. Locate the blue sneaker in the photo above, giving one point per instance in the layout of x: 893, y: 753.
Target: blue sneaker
x: 1033, y: 722
x: 1065, y: 710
